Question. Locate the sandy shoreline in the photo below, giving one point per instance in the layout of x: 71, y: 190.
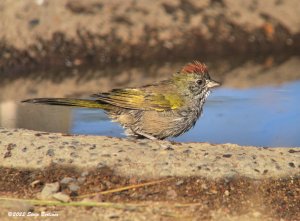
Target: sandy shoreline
x: 31, y: 149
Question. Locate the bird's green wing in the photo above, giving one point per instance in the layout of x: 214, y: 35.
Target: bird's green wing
x: 141, y: 99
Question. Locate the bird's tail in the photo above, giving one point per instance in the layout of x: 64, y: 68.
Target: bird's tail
x: 70, y: 102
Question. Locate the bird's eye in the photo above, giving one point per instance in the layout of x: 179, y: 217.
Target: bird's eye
x: 199, y: 82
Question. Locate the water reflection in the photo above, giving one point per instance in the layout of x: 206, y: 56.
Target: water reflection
x: 258, y: 105
x: 236, y: 72
x: 35, y: 117
x: 8, y: 114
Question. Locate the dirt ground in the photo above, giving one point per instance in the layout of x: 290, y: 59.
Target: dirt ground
x: 74, y: 33
x: 198, y: 181
x: 177, y: 198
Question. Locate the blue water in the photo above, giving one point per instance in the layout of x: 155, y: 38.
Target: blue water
x: 263, y: 116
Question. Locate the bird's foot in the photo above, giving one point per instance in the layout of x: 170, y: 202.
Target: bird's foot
x: 146, y: 135
x: 164, y: 144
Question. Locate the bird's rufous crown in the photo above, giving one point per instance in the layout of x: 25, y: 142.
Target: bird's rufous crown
x: 195, y: 67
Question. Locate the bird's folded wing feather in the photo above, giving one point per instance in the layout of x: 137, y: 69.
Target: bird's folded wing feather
x: 141, y: 99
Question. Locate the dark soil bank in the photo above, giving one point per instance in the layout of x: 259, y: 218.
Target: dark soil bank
x: 72, y: 33
x: 268, y: 199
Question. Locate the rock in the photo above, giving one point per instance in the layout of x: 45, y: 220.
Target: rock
x: 61, y: 197
x: 50, y: 153
x: 67, y: 180
x: 179, y: 182
x: 73, y: 187
x: 49, y: 189
x: 226, y: 193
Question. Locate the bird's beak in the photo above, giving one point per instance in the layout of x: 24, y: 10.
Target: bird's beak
x: 213, y: 83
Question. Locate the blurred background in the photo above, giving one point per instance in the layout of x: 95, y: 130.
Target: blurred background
x: 72, y: 48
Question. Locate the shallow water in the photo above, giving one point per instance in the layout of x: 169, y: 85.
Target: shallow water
x: 266, y: 116
x: 261, y: 115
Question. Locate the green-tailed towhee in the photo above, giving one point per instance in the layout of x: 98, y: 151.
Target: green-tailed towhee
x: 165, y: 109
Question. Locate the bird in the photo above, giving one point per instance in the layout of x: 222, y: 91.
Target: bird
x: 157, y: 111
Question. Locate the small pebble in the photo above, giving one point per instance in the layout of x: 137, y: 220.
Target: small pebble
x: 11, y: 146
x: 73, y: 187
x: 179, y: 182
x: 293, y: 151
x: 74, y: 155
x: 187, y: 151
x: 49, y: 189
x: 50, y: 152
x: 101, y: 165
x: 7, y: 154
x: 61, y: 197
x: 169, y: 148
x: 291, y: 164
x: 34, y: 22
x: 93, y: 147
x: 67, y: 180
x: 226, y: 193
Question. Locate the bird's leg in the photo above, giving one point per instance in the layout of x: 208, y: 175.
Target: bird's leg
x: 146, y: 135
x: 162, y: 145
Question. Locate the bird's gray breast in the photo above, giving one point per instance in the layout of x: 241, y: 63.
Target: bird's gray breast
x: 188, y: 116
